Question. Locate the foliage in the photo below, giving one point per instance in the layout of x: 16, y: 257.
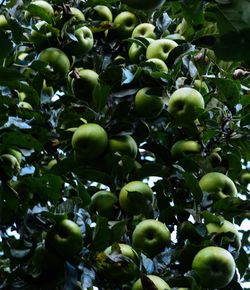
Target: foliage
x: 53, y: 183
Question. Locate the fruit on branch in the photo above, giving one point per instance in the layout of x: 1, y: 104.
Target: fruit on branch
x: 160, y: 48
x: 148, y: 103
x: 157, y: 281
x: 124, y: 145
x: 183, y: 148
x: 185, y: 104
x: 201, y: 87
x: 151, y: 237
x: 218, y: 185
x: 65, y: 239
x: 102, y: 13
x: 136, y: 197
x: 159, y: 64
x: 145, y: 30
x: 214, y: 266
x: 89, y: 141
x: 9, y: 167
x: 124, y: 24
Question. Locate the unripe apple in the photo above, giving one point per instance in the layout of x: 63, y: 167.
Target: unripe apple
x: 183, y: 148
x: 160, y: 48
x: 218, y: 185
x: 184, y: 104
x: 148, y: 103
x: 124, y: 24
x: 145, y: 30
x: 158, y: 282
x: 159, y: 64
x: 102, y: 13
x: 151, y: 237
x: 201, y: 87
x: 125, y: 145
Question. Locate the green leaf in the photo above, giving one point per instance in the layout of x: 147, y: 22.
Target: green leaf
x: 101, y: 234
x: 84, y: 194
x: 6, y: 48
x: 193, y: 185
x: 118, y: 230
x: 100, y: 96
x: 242, y: 262
x: 211, y: 218
x: 193, y: 12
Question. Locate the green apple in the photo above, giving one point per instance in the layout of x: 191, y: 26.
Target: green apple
x: 25, y: 105
x: 41, y: 35
x: 103, y: 203
x: 160, y: 48
x: 4, y: 25
x: 245, y: 178
x: 9, y: 166
x: 15, y: 152
x: 89, y: 141
x: 151, y: 237
x: 83, y: 44
x: 225, y: 227
x: 148, y: 103
x: 124, y: 24
x: 183, y: 148
x: 39, y: 9
x: 146, y: 30
x: 144, y: 5
x: 124, y: 145
x: 160, y: 65
x: 77, y: 14
x: 57, y: 59
x: 102, y: 13
x: 218, y: 185
x: 184, y: 104
x: 84, y: 84
x: 135, y: 197
x: 65, y: 239
x: 158, y: 282
x: 214, y: 266
x: 137, y: 52
x: 124, y: 265
x: 201, y: 87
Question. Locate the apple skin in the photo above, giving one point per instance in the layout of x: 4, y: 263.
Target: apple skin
x: 9, y: 167
x: 89, y: 140
x: 143, y: 5
x: 160, y: 48
x: 225, y: 228
x: 159, y: 64
x: 84, y: 85
x: 43, y: 5
x: 184, y: 104
x: 245, y: 178
x: 84, y: 43
x: 183, y: 148
x: 145, y: 30
x: 103, y: 203
x: 137, y: 52
x: 77, y: 14
x: 65, y: 239
x: 127, y: 204
x: 150, y: 236
x: 56, y: 58
x: 121, y: 273
x: 124, y: 24
x: 102, y: 13
x: 218, y: 185
x: 159, y: 283
x: 4, y: 25
x: 125, y: 145
x: 201, y: 87
x: 15, y: 152
x: 215, y: 267
x: 147, y: 104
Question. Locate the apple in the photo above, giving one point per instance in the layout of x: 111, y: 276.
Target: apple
x: 124, y: 145
x: 225, y: 227
x: 144, y: 5
x: 145, y: 30
x: 201, y: 87
x: 151, y: 237
x: 83, y: 42
x: 245, y: 178
x: 102, y: 13
x: 9, y: 166
x: 4, y: 25
x: 57, y: 59
x: 158, y: 282
x: 218, y: 185
x: 103, y: 202
x: 160, y: 48
x: 124, y: 265
x: 124, y: 24
x: 77, y: 14
x: 183, y: 148
x: 214, y: 266
x: 159, y: 64
x: 89, y: 140
x: 65, y: 239
x: 39, y: 9
x: 84, y: 84
x: 15, y: 152
x: 41, y: 35
x: 184, y: 104
x: 25, y: 105
x: 137, y: 52
x: 135, y: 197
x: 148, y: 103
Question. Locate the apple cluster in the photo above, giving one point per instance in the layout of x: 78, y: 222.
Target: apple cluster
x: 106, y: 73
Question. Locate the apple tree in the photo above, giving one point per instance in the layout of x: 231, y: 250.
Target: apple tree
x: 124, y: 144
